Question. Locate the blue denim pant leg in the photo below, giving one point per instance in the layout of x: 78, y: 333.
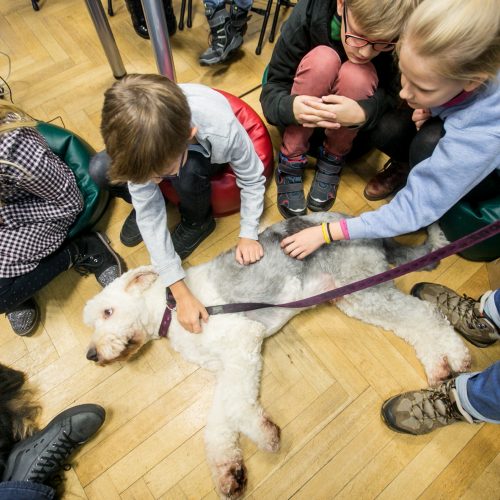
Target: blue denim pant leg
x: 24, y: 490
x: 242, y: 4
x: 479, y: 393
x: 492, y: 307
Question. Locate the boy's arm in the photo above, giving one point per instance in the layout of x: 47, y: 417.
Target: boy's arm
x: 149, y: 205
x: 292, y: 45
x: 248, y: 169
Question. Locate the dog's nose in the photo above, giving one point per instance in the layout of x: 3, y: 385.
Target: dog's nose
x: 92, y: 354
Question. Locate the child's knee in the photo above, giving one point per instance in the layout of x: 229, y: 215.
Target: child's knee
x: 357, y: 81
x: 321, y: 64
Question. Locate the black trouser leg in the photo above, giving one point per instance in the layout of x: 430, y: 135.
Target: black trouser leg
x: 15, y: 291
x: 193, y: 187
x: 426, y: 140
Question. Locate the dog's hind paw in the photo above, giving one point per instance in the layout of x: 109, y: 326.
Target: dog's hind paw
x: 439, y: 372
x: 232, y: 479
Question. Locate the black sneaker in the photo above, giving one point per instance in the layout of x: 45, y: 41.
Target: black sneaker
x: 323, y: 191
x: 95, y: 255
x: 130, y: 235
x: 187, y: 236
x: 291, y: 199
x: 24, y: 318
x: 38, y: 458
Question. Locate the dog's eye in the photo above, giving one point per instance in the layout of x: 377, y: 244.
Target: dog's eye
x: 108, y: 313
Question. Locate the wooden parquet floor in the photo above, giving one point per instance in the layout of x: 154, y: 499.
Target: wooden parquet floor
x: 325, y: 375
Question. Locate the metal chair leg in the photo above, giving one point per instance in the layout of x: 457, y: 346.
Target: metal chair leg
x: 34, y: 4
x: 263, y: 28
x: 110, y: 8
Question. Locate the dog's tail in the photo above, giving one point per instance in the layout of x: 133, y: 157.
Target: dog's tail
x: 18, y: 411
x: 399, y: 254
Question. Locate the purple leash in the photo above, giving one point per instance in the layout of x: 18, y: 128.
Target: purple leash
x: 439, y: 254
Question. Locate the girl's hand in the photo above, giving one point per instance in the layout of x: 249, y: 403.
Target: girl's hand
x: 306, y: 114
x: 337, y: 111
x: 189, y: 308
x: 420, y: 116
x: 248, y: 251
x: 303, y: 243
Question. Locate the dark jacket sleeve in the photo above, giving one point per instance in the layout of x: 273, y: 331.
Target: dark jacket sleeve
x: 292, y: 45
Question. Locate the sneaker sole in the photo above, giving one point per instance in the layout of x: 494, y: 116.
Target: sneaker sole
x: 230, y: 48
x: 130, y: 242
x: 311, y: 205
x: 105, y: 240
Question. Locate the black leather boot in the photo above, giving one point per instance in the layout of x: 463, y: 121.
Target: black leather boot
x: 139, y: 21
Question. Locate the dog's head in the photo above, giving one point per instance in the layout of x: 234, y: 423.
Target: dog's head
x: 120, y: 317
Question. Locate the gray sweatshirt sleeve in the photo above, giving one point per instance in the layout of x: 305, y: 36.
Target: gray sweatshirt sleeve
x: 248, y: 169
x: 460, y: 161
x: 151, y: 213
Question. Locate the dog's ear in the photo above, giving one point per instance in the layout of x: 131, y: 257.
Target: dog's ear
x: 140, y: 280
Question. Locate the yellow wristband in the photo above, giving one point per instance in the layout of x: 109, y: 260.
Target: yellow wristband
x: 325, y: 233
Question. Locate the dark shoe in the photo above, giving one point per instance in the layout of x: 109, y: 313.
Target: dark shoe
x: 139, y: 20
x: 420, y: 412
x: 130, y: 235
x: 137, y: 16
x: 24, y: 318
x: 41, y: 456
x: 187, y: 236
x: 95, y: 255
x: 224, y: 37
x: 464, y: 313
x: 389, y: 180
x: 323, y: 191
x: 291, y: 199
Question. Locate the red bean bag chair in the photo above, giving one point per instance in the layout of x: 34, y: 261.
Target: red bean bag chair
x: 225, y: 192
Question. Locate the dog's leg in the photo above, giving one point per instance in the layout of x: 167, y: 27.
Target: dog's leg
x: 437, y: 345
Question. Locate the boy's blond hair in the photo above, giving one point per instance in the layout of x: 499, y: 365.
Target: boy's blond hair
x: 381, y: 19
x: 146, y: 124
x: 463, y: 38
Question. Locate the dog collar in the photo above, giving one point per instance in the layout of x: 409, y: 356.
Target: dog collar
x: 167, y: 315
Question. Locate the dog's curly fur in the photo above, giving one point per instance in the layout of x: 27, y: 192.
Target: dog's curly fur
x: 127, y: 314
x: 18, y: 411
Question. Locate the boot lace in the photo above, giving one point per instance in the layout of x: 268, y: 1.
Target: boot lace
x: 461, y: 307
x: 436, y: 405
x: 52, y: 459
x: 86, y: 264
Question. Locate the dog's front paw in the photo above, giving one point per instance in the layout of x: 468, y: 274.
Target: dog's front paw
x: 232, y: 479
x: 271, y: 434
x: 438, y: 372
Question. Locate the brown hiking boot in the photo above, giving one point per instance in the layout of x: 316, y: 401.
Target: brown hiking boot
x: 390, y: 179
x: 420, y: 412
x: 464, y: 313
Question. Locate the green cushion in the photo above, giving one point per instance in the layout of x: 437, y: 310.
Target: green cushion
x: 76, y: 153
x: 477, y: 209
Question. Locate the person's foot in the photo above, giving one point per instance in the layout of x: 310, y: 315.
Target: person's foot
x: 291, y: 199
x: 226, y: 33
x: 130, y: 235
x: 38, y: 458
x: 390, y: 179
x: 24, y: 318
x: 187, y: 236
x: 323, y: 191
x: 139, y: 21
x: 420, y: 412
x: 464, y: 313
x: 95, y: 255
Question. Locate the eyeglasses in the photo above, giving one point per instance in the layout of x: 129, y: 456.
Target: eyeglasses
x: 172, y: 177
x: 359, y: 41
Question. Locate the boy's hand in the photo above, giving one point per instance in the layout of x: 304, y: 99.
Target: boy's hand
x: 420, y: 116
x: 248, y: 251
x: 303, y: 243
x: 189, y: 308
x: 336, y: 111
x: 306, y: 114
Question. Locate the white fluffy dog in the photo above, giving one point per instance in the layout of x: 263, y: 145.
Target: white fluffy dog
x: 128, y: 313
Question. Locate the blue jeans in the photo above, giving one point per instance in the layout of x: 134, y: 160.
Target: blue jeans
x: 479, y: 393
x: 242, y: 4
x: 24, y: 490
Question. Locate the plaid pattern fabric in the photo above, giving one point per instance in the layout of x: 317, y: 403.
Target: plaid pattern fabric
x: 39, y: 200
